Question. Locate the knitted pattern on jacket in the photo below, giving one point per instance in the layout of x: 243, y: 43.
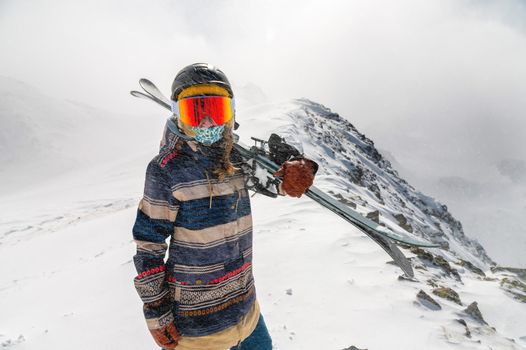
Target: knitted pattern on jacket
x: 206, y: 283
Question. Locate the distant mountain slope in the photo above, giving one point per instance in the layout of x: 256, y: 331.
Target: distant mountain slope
x: 56, y: 136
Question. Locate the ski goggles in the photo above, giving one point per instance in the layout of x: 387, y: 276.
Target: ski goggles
x: 192, y: 111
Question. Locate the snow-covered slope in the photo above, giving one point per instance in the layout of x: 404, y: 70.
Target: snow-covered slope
x: 66, y: 250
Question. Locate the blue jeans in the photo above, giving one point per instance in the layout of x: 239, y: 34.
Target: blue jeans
x: 259, y: 339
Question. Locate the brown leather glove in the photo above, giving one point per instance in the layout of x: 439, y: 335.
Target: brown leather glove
x: 298, y: 176
x: 166, y: 337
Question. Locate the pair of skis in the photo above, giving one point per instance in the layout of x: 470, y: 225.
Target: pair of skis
x: 383, y: 236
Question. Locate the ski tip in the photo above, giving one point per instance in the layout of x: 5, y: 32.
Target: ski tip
x: 139, y: 94
x: 144, y: 81
x: 406, y: 277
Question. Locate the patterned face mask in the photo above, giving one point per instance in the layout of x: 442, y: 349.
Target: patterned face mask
x: 208, y: 136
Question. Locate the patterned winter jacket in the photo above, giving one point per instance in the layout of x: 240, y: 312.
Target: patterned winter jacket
x: 206, y: 284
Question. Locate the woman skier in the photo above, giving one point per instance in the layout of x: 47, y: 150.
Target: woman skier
x: 203, y: 297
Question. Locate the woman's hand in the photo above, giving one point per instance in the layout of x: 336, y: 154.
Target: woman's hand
x: 166, y: 337
x: 298, y: 176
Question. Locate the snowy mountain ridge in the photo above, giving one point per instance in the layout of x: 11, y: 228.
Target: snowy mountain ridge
x: 353, y: 170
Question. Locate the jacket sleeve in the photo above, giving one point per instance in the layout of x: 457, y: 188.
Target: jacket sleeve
x: 154, y: 223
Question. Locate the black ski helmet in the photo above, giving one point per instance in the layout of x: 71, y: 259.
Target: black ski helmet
x: 199, y: 73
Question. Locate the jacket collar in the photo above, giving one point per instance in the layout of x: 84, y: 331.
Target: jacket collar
x: 169, y: 141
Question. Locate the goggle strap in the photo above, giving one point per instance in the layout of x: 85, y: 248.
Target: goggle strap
x: 175, y: 108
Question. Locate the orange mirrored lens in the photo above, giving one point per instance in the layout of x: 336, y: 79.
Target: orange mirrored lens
x: 194, y: 110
